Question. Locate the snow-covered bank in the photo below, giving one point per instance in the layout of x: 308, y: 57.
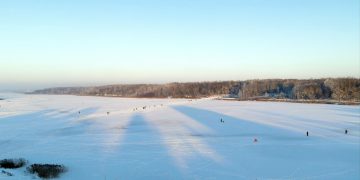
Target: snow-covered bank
x: 180, y: 139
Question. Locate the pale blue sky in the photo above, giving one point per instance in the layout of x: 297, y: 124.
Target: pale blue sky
x: 66, y: 42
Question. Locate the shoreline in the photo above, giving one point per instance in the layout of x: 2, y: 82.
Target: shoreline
x: 308, y: 101
x: 305, y: 101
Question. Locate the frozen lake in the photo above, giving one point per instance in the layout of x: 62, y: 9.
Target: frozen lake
x: 128, y: 138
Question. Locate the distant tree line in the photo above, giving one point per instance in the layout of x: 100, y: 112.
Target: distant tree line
x: 175, y: 90
x: 333, y: 88
x: 337, y: 88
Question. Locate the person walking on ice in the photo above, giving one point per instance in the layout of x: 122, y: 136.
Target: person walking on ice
x: 307, y: 133
x: 221, y: 120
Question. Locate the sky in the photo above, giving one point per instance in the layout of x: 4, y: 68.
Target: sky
x: 83, y: 43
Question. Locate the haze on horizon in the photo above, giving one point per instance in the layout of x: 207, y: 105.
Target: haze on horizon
x: 82, y: 43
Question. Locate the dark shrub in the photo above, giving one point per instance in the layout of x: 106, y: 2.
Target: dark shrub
x: 6, y: 173
x: 12, y: 163
x: 46, y: 170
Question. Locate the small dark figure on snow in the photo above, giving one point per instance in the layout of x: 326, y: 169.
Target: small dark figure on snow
x: 79, y: 112
x: 221, y: 120
x: 255, y: 140
x: 307, y: 133
x: 346, y: 131
x: 108, y: 113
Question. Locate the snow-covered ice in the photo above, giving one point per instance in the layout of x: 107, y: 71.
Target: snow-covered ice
x: 179, y: 138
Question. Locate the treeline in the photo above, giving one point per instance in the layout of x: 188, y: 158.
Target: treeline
x: 337, y: 89
x: 174, y: 90
x: 334, y: 88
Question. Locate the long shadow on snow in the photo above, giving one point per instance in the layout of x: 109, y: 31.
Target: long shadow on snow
x: 12, y: 126
x: 88, y: 111
x: 143, y: 154
x: 14, y: 130
x: 270, y: 162
x: 20, y: 123
x: 353, y: 110
x: 232, y: 127
x: 306, y: 123
x: 72, y: 126
x: 26, y: 116
x: 349, y: 115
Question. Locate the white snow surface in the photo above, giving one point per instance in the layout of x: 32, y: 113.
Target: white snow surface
x: 179, y: 138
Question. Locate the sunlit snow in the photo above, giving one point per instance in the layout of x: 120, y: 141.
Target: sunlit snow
x: 128, y: 138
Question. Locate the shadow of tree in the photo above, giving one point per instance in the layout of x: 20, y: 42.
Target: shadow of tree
x: 234, y: 126
x: 142, y: 152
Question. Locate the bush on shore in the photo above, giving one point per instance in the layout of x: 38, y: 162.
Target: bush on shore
x: 46, y: 170
x: 12, y: 163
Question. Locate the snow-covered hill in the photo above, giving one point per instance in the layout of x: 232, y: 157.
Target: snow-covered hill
x: 128, y: 138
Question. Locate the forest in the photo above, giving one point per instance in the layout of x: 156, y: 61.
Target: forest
x: 307, y: 89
